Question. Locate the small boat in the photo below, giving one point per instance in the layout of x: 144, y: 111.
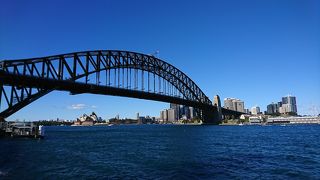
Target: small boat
x: 240, y: 124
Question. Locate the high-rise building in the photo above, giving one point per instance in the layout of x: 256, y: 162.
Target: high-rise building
x: 272, y: 108
x: 228, y: 104
x: 177, y: 112
x: 164, y: 115
x: 255, y: 110
x: 279, y: 104
x: 234, y: 104
x: 176, y: 107
x: 187, y: 112
x: 289, y: 104
x: 239, y: 105
x: 172, y: 115
x: 138, y: 117
x: 282, y: 110
x: 184, y: 112
x: 192, y: 112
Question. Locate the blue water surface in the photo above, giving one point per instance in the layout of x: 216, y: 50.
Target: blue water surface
x: 165, y: 152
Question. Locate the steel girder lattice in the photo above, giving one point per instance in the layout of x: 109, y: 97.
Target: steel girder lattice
x: 111, y: 72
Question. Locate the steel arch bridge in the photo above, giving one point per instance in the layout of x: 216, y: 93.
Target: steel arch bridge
x: 109, y: 72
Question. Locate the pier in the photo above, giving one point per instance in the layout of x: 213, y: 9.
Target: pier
x: 21, y: 129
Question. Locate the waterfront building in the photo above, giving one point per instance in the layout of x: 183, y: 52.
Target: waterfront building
x: 137, y: 115
x: 87, y: 123
x: 21, y: 129
x: 295, y: 120
x: 247, y: 111
x: 255, y: 110
x: 124, y: 121
x: 245, y: 116
x: 85, y: 117
x: 88, y: 120
x: 145, y: 120
x: 255, y: 120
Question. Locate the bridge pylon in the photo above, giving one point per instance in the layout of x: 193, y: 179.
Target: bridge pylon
x: 212, y: 115
x: 2, y: 119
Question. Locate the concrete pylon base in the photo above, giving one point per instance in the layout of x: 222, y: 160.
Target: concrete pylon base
x: 212, y: 116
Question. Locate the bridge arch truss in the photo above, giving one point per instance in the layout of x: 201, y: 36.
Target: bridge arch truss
x: 113, y: 72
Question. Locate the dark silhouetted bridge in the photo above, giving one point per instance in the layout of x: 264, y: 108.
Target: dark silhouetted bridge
x: 108, y: 72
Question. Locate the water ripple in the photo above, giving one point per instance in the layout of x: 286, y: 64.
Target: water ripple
x: 165, y: 152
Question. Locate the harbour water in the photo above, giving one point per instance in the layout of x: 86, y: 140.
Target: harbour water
x: 165, y: 152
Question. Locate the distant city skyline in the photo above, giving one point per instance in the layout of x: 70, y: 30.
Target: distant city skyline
x: 257, y: 51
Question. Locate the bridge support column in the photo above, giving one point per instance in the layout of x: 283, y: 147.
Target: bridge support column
x: 212, y: 116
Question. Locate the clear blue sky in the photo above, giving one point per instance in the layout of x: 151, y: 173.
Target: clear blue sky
x: 257, y: 51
